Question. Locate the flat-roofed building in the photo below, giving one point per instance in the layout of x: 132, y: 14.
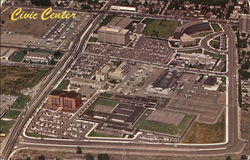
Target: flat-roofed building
x: 6, y: 53
x: 86, y: 91
x: 165, y: 82
x: 69, y: 101
x: 113, y: 34
x: 245, y: 23
x: 83, y: 81
x: 38, y: 57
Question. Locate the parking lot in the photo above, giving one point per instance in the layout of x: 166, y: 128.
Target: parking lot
x: 86, y: 66
x: 48, y: 123
x: 49, y: 34
x: 191, y: 97
x: 146, y: 49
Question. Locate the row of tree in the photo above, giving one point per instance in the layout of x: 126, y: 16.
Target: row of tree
x: 89, y: 156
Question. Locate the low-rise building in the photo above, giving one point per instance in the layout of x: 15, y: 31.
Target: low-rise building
x: 6, y: 53
x: 245, y: 23
x: 38, y: 57
x: 83, y: 81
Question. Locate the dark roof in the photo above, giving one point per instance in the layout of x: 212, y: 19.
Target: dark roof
x: 70, y: 94
x: 211, y: 81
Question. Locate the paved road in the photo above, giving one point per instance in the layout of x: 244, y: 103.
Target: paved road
x: 49, y: 83
x: 233, y: 146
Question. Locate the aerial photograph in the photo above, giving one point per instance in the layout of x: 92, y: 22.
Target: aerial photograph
x: 125, y: 80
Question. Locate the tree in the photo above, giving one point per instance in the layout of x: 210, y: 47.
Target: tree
x: 41, y: 157
x: 243, y: 157
x: 57, y: 54
x: 78, y: 150
x: 228, y: 158
x: 89, y: 156
x: 103, y: 157
x: 41, y: 2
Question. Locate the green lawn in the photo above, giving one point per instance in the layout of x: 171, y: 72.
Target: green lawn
x: 202, y: 34
x: 145, y: 124
x: 20, y: 102
x: 192, y: 51
x: 14, y: 79
x: 11, y: 114
x: 215, y: 44
x: 96, y: 134
x: 105, y: 102
x: 222, y: 86
x: 105, y: 94
x: 19, y: 56
x: 220, y: 56
x: 106, y: 20
x: 5, y: 126
x: 63, y: 85
x: 37, y: 135
x: 216, y: 27
x: 160, y: 28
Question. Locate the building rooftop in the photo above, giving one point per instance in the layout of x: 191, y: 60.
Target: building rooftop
x: 121, y: 22
x: 70, y: 94
x: 38, y: 54
x: 113, y: 30
x: 167, y: 79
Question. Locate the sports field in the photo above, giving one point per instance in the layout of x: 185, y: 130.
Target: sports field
x: 160, y: 28
x: 154, y: 126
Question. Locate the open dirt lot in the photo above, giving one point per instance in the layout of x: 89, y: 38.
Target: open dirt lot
x: 206, y: 112
x: 35, y: 27
x: 168, y: 117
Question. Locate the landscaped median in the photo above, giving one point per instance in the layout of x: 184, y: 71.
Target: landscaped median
x: 98, y: 134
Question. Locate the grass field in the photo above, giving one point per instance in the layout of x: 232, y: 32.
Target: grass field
x: 19, y: 56
x: 20, y: 102
x: 215, y: 44
x: 215, y: 55
x: 192, y: 51
x: 202, y: 34
x: 106, y: 102
x: 160, y: 28
x: 5, y: 126
x: 145, y: 124
x: 216, y: 27
x: 199, y: 132
x: 105, y: 94
x: 14, y: 79
x: 37, y: 135
x: 96, y: 134
x: 63, y: 85
x: 11, y: 114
